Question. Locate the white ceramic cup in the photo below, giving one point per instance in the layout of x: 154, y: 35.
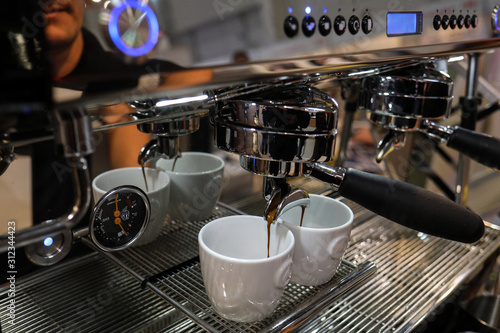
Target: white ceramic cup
x: 159, y: 192
x: 196, y: 184
x: 242, y: 283
x: 321, y: 241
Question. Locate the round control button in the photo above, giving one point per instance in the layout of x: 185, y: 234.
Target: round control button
x: 367, y: 24
x: 354, y: 25
x: 445, y: 22
x: 437, y: 22
x: 291, y: 26
x: 324, y: 25
x: 308, y: 26
x: 453, y: 22
x: 467, y: 21
x: 474, y: 21
x: 460, y: 21
x: 339, y: 25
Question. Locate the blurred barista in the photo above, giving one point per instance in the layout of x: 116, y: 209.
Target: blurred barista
x: 79, y: 65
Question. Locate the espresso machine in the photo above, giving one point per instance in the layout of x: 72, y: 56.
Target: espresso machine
x: 412, y: 252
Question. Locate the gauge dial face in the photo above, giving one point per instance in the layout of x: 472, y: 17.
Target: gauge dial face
x: 119, y: 218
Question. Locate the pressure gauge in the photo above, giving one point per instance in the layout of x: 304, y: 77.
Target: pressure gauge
x: 119, y: 218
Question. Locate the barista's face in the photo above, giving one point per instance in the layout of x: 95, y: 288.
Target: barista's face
x: 64, y: 21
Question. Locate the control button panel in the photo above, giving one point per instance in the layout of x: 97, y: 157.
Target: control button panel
x: 398, y: 23
x: 454, y: 21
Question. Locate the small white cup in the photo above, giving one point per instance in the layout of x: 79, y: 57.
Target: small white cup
x: 196, y: 184
x: 242, y: 283
x: 321, y: 241
x: 158, y: 194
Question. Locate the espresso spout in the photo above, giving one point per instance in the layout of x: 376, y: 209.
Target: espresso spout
x: 281, y: 197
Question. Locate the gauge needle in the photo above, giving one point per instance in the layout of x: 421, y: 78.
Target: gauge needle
x: 117, y: 212
x: 118, y: 220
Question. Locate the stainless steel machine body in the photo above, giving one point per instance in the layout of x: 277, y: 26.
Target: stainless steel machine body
x: 295, y: 48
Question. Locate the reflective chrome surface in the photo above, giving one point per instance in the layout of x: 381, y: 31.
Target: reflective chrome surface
x: 290, y: 124
x: 272, y: 145
x: 298, y: 109
x: 412, y: 93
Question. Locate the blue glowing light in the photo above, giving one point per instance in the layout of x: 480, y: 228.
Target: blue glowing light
x: 114, y: 31
x: 290, y: 10
x: 48, y: 241
x: 324, y: 10
x: 308, y: 10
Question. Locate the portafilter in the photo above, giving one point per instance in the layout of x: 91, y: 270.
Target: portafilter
x: 290, y: 131
x: 411, y: 100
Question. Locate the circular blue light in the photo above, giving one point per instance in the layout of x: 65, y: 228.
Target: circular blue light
x: 48, y: 241
x: 308, y: 10
x: 114, y: 31
x: 290, y: 10
x: 324, y: 10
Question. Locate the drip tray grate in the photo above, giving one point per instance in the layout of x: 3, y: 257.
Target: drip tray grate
x: 170, y: 267
x: 416, y: 274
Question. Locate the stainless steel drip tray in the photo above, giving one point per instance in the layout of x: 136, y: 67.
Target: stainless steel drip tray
x: 416, y: 274
x: 170, y: 267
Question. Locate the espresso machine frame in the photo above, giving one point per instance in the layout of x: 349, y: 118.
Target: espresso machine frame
x: 344, y: 51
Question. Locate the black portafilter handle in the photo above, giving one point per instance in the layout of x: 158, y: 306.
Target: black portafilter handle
x: 481, y: 147
x: 405, y: 204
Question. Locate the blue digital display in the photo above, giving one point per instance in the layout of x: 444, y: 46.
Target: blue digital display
x: 404, y: 23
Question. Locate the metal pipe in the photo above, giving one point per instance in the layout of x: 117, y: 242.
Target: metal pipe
x: 469, y: 113
x: 309, y: 308
x: 81, y: 180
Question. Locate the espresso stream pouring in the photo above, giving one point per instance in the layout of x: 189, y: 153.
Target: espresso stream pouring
x: 290, y: 131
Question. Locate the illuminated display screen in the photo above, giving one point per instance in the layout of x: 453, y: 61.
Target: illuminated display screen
x: 404, y: 23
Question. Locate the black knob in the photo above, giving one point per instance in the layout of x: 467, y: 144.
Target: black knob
x: 339, y: 25
x: 354, y: 25
x: 467, y: 21
x: 445, y: 22
x: 460, y: 21
x: 474, y: 21
x: 291, y: 26
x: 308, y: 26
x: 453, y: 22
x: 367, y: 24
x: 437, y: 22
x: 324, y: 25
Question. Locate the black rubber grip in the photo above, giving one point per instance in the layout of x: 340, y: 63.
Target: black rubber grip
x: 412, y: 206
x: 479, y: 146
